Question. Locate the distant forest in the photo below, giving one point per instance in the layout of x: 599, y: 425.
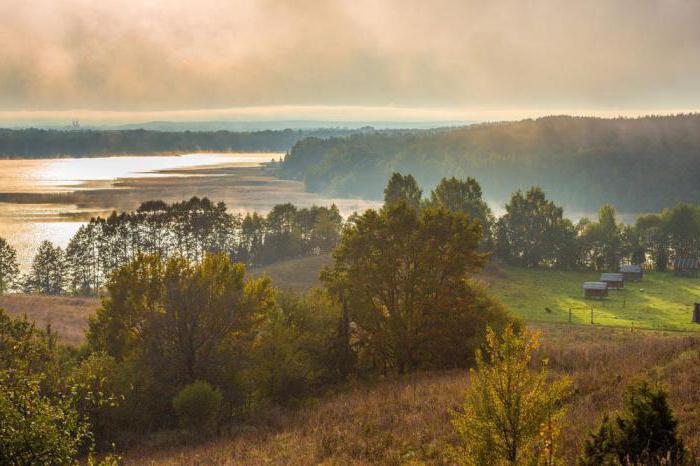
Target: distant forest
x: 637, y: 165
x: 43, y: 143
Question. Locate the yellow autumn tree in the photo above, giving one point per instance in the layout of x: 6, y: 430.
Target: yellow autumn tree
x: 512, y: 411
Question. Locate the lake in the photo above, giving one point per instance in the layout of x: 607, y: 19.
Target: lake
x: 51, y: 198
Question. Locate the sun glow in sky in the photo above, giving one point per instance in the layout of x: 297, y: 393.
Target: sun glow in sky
x: 136, y: 60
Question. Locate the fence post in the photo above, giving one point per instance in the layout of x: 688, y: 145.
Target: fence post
x: 591, y: 315
x: 569, y: 314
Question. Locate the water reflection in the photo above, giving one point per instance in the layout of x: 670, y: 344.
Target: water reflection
x: 98, y: 185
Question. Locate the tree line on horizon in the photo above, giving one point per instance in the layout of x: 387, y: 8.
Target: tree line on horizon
x: 45, y: 143
x: 638, y: 165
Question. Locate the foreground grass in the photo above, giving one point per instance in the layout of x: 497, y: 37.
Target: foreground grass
x: 407, y: 420
x: 659, y: 301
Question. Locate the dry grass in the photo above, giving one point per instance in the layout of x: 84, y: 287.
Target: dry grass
x: 406, y: 421
x: 300, y: 274
x: 67, y: 315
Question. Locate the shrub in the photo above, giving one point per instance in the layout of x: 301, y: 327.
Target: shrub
x: 512, y: 413
x: 197, y: 406
x: 35, y: 429
x: 644, y: 434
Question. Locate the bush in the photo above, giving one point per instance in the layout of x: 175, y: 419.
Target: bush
x: 644, y: 434
x: 35, y: 429
x: 197, y: 406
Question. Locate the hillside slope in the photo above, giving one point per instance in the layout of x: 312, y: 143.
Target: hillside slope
x: 638, y: 165
x: 407, y: 421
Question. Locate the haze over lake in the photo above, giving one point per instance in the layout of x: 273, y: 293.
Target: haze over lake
x: 51, y: 198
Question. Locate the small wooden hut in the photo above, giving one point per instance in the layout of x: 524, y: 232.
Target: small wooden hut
x: 613, y: 280
x: 595, y: 289
x: 685, y: 267
x: 632, y: 272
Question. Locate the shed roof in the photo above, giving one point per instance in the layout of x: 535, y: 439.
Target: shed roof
x: 631, y: 268
x: 595, y: 286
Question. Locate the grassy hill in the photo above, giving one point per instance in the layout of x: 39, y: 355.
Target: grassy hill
x: 659, y: 301
x: 637, y: 165
x: 67, y: 315
x: 407, y: 421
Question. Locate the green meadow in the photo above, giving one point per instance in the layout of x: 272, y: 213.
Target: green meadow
x: 660, y: 301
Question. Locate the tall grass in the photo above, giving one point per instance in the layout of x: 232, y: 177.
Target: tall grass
x: 407, y: 420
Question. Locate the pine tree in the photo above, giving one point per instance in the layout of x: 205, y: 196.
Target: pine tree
x: 9, y: 270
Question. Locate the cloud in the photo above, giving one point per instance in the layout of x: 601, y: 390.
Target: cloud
x: 149, y: 55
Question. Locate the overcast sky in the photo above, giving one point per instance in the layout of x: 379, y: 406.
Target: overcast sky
x: 146, y: 59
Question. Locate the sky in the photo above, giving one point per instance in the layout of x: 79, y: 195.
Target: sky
x: 130, y: 60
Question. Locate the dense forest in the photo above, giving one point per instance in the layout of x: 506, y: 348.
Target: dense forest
x: 43, y: 143
x: 637, y: 165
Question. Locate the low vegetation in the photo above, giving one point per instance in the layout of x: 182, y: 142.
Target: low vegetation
x: 406, y: 420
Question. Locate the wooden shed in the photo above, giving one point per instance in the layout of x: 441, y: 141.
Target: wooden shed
x: 685, y: 267
x: 632, y: 272
x: 613, y: 280
x: 595, y: 289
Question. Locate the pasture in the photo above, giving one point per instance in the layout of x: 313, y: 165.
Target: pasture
x: 660, y: 301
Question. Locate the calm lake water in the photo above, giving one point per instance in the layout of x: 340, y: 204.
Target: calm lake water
x: 24, y: 224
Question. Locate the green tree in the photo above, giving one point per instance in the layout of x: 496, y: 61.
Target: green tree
x: 533, y: 232
x: 179, y: 311
x: 168, y: 323
x: 9, y: 269
x: 600, y: 449
x: 645, y: 433
x: 197, y: 407
x: 464, y: 196
x: 512, y: 413
x: 291, y: 349
x: 603, y: 241
x: 48, y: 273
x: 36, y: 429
x: 39, y: 420
x: 404, y: 276
x: 403, y: 188
x: 682, y: 226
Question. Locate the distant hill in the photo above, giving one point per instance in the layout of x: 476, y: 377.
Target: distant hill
x: 640, y: 164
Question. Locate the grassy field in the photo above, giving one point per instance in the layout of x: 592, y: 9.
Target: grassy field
x: 407, y: 421
x: 295, y: 274
x: 67, y: 315
x: 659, y: 301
